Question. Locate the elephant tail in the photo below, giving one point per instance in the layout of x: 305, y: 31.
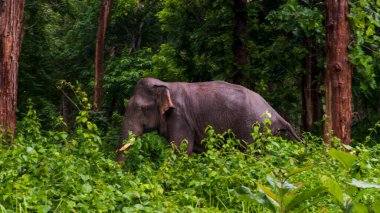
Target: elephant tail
x: 292, y: 133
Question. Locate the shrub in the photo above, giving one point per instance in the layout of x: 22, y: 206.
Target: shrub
x: 48, y: 171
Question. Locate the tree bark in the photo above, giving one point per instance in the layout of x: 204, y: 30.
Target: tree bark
x: 240, y: 36
x: 11, y: 29
x: 338, y: 73
x: 65, y: 110
x: 311, y: 96
x: 307, y: 100
x: 99, y: 52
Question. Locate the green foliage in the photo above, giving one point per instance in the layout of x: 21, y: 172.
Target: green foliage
x: 54, y: 166
x: 302, y: 19
x: 345, y: 159
x: 364, y: 53
x: 350, y: 199
x: 373, y: 134
x: 199, y: 38
x: 367, y: 128
x: 284, y: 198
x: 365, y: 56
x: 75, y: 171
x: 122, y: 75
x: 192, y: 41
x: 165, y: 64
x: 58, y: 44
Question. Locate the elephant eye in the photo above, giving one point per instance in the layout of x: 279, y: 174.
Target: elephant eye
x: 143, y: 108
x: 139, y: 107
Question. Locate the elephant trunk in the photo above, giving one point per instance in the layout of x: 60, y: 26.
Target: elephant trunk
x: 128, y: 126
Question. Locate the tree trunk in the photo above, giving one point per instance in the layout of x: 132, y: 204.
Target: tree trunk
x: 138, y: 45
x: 11, y: 28
x: 307, y: 100
x: 240, y: 36
x: 311, y: 96
x: 99, y: 52
x: 65, y: 110
x: 338, y: 72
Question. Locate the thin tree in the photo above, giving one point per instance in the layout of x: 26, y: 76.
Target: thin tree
x: 99, y: 52
x: 11, y: 28
x: 240, y: 36
x: 338, y: 72
x: 311, y: 95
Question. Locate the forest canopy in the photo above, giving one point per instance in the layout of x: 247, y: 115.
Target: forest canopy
x: 282, y: 41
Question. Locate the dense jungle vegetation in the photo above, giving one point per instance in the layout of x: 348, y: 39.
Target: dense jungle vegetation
x: 62, y: 158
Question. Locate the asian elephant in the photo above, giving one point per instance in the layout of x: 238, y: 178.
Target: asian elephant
x: 183, y: 110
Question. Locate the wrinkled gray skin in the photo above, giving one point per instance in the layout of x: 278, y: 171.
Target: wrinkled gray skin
x: 183, y: 110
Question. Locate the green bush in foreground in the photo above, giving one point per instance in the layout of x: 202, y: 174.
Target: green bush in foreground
x: 56, y: 171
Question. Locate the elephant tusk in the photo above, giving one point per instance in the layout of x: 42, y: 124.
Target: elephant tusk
x: 124, y: 147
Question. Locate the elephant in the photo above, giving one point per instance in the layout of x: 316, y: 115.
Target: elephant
x: 181, y: 111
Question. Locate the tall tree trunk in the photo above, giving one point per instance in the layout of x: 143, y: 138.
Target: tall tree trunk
x: 65, y: 110
x: 338, y: 72
x: 307, y: 99
x: 311, y: 96
x: 138, y: 45
x: 99, y: 52
x: 11, y: 28
x: 240, y: 37
x: 136, y: 38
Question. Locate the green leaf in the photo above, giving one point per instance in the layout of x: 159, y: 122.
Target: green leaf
x: 364, y: 184
x: 369, y: 31
x: 303, y: 208
x: 263, y: 199
x: 344, y: 158
x: 348, y: 147
x: 29, y: 150
x: 273, y: 197
x: 44, y: 209
x: 87, y: 188
x: 360, y: 208
x: 299, y: 170
x: 376, y: 206
x: 304, y: 196
x: 333, y: 188
x: 244, y: 193
x: 273, y: 182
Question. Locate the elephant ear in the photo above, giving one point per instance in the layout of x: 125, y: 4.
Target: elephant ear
x: 163, y: 99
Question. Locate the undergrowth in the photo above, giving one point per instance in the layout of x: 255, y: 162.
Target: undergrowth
x: 75, y: 171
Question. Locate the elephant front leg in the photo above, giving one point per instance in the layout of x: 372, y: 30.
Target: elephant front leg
x: 177, y: 144
x: 178, y: 133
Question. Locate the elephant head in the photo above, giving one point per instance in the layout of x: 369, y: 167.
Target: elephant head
x: 147, y: 108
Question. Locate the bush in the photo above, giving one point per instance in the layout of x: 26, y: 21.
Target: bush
x: 48, y: 171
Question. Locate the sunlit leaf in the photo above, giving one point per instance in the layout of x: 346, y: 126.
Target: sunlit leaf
x: 244, y: 193
x: 304, y: 196
x: 44, y: 209
x: 360, y: 208
x: 274, y: 198
x: 87, y: 188
x: 376, y: 206
x: 333, y: 188
x: 299, y: 170
x: 347, y: 160
x: 364, y: 184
